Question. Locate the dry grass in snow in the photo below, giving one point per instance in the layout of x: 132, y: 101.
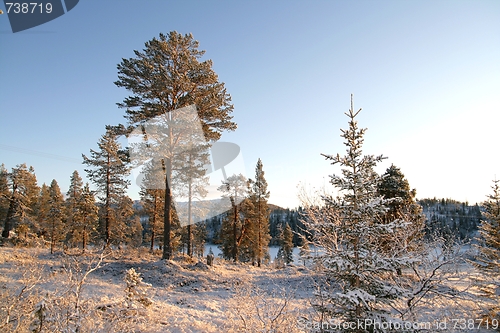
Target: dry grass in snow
x: 40, y: 292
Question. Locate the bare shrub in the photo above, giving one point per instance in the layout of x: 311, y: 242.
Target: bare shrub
x: 254, y: 310
x: 17, y: 302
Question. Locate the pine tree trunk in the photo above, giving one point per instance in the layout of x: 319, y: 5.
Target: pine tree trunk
x: 189, y: 249
x: 52, y: 238
x: 152, y: 239
x: 259, y: 244
x: 153, y: 225
x: 9, y: 219
x: 167, y: 221
x: 107, y: 208
x: 189, y: 233
x: 84, y: 241
x: 235, y: 233
x: 357, y: 281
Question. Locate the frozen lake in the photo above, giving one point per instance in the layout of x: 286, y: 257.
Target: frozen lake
x: 273, y: 251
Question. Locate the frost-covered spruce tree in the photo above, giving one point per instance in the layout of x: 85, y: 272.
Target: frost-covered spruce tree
x: 488, y: 259
x: 362, y: 276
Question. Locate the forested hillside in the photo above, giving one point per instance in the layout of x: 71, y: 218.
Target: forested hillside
x: 451, y: 218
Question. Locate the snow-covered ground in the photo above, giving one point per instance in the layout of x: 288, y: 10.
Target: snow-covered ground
x: 187, y: 295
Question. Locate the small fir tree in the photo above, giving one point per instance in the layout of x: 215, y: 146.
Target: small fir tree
x: 347, y: 228
x: 136, y: 292
x: 304, y: 252
x: 286, y: 244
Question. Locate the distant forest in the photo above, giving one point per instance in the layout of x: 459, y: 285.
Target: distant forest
x: 451, y: 219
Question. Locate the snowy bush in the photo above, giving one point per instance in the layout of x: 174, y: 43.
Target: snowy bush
x: 136, y: 290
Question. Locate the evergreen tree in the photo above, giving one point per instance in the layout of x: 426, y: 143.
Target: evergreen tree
x: 347, y: 228
x: 126, y: 223
x: 304, y: 251
x: 42, y: 211
x: 55, y: 215
x: 233, y: 227
x: 134, y: 226
x: 488, y: 259
x: 166, y: 76
x: 287, y: 244
x: 4, y: 192
x: 108, y: 171
x: 85, y: 216
x: 401, y: 204
x: 152, y: 199
x: 192, y: 185
x: 175, y: 231
x: 246, y: 244
x: 199, y: 237
x: 23, y: 194
x: 72, y: 198
x: 260, y: 221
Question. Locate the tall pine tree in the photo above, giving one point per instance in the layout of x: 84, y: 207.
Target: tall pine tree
x: 55, y: 215
x: 192, y: 185
x: 4, y: 192
x: 152, y: 199
x: 42, y: 211
x: 108, y: 171
x: 234, y: 226
x: 166, y: 76
x: 260, y: 220
x: 85, y: 216
x: 22, y: 198
x: 72, y: 198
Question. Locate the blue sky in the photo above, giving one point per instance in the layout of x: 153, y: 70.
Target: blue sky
x: 426, y: 73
